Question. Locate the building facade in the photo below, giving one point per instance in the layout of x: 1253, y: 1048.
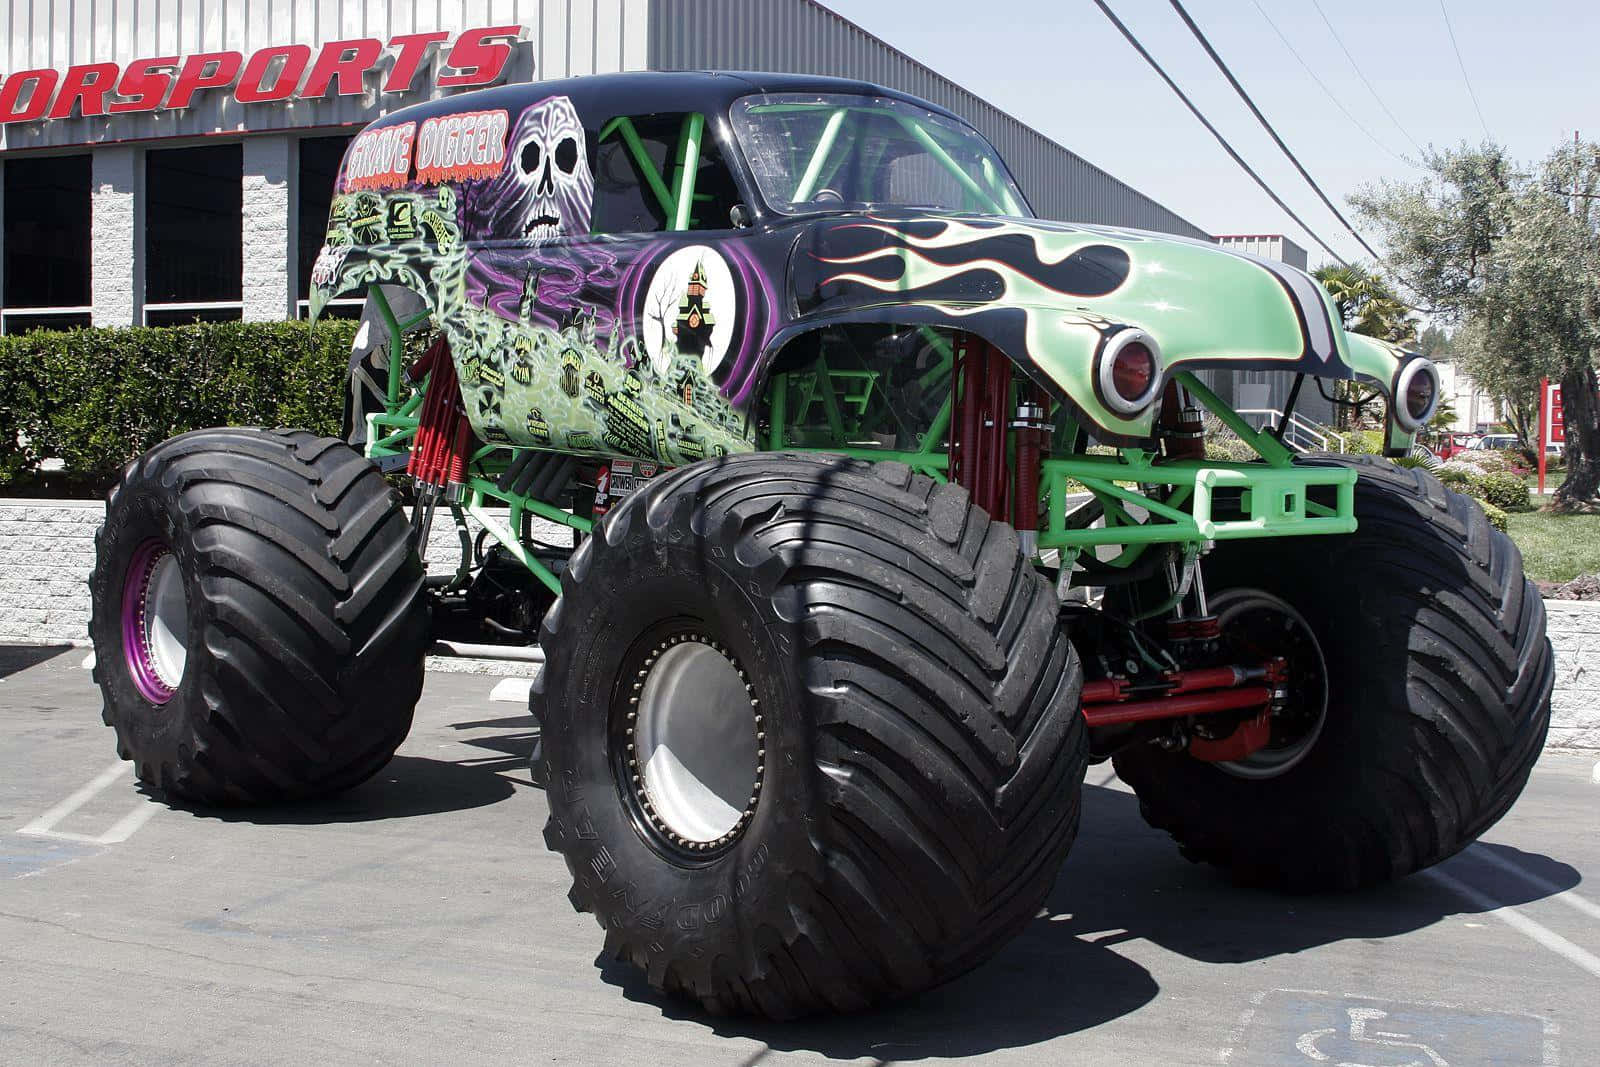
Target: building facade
x: 168, y: 161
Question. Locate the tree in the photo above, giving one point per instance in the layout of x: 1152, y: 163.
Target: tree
x: 1437, y: 345
x: 1366, y: 305
x: 1512, y: 256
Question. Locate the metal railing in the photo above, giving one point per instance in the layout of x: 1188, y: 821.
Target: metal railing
x: 1300, y: 434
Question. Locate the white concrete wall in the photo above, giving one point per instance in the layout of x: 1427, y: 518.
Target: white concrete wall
x: 1574, y: 628
x: 271, y: 200
x: 47, y: 552
x: 116, y: 205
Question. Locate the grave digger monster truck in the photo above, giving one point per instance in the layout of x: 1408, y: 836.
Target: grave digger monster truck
x: 819, y: 695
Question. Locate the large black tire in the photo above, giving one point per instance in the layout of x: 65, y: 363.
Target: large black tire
x: 1439, y: 697
x: 923, y: 746
x: 306, y: 618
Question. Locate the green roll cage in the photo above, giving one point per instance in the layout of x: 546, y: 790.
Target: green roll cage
x: 1179, y: 500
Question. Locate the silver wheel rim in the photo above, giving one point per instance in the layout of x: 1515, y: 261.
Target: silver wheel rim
x: 696, y: 743
x: 1271, y: 761
x: 164, y: 621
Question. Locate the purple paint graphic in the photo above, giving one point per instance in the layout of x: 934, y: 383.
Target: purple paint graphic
x: 753, y: 327
x: 136, y: 652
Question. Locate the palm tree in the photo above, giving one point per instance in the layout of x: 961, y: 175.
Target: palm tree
x: 1366, y: 305
x: 1350, y: 286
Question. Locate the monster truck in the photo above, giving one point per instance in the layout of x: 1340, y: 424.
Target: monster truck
x: 890, y: 510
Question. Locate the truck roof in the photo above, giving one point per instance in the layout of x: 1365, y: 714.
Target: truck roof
x: 599, y: 97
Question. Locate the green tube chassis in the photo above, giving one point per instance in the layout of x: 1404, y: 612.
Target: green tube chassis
x: 561, y: 340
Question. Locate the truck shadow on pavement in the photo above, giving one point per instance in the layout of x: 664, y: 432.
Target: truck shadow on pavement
x: 1124, y: 884
x: 410, y: 786
x: 17, y: 658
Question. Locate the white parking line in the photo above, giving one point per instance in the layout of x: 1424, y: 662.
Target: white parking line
x: 1549, y: 888
x: 121, y: 830
x: 43, y: 823
x: 129, y: 824
x: 1523, y: 925
x: 511, y: 690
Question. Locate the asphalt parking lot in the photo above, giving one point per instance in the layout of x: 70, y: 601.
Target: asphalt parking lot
x: 417, y: 918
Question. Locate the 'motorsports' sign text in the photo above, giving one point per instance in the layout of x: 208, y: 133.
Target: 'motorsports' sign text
x: 274, y: 73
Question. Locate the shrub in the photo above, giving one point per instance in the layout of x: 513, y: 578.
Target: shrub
x: 1363, y: 442
x: 1505, y: 491
x: 1461, y: 477
x: 1496, y: 517
x: 95, y: 398
x: 1229, y: 450
x: 1492, y: 461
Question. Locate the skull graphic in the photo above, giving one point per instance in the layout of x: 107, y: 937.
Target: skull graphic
x: 546, y: 189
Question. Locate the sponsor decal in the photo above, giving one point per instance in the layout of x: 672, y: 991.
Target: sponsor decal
x: 379, y: 159
x: 461, y: 147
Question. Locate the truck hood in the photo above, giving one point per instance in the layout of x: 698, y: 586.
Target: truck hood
x: 1049, y: 293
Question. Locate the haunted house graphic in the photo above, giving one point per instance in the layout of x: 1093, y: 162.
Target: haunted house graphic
x: 693, y: 325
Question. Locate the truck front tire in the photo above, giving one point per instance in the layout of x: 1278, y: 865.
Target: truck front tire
x: 1438, y: 686
x: 810, y: 731
x: 258, y: 617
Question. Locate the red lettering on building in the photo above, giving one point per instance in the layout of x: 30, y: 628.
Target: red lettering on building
x: 413, y: 49
x: 144, y: 84
x: 251, y: 90
x: 87, y: 84
x: 274, y: 73
x: 480, y: 56
x: 208, y: 70
x: 344, y: 62
x: 40, y: 86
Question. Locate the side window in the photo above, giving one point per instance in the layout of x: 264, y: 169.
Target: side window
x: 637, y: 176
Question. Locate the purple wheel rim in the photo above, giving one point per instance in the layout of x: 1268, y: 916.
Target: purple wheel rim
x: 137, y: 648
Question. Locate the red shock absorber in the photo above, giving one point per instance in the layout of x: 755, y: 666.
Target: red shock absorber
x: 439, y: 452
x: 982, y: 381
x: 1180, y: 425
x: 1032, y: 432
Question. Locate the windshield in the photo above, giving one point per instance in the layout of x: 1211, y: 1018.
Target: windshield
x: 822, y: 151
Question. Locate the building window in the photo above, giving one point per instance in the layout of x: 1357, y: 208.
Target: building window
x: 46, y: 242
x: 319, y: 166
x: 194, y: 243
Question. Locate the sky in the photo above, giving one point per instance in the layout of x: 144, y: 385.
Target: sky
x: 1062, y: 68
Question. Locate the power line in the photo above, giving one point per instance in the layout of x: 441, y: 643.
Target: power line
x: 1331, y: 95
x: 1251, y: 104
x: 1357, y: 68
x: 1462, y: 64
x: 1223, y: 141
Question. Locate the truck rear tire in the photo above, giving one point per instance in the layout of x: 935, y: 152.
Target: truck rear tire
x: 811, y: 733
x: 1438, y: 697
x: 258, y: 617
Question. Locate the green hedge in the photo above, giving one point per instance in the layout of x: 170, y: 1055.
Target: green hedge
x: 96, y: 398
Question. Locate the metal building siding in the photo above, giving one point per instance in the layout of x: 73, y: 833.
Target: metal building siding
x: 1270, y: 245
x: 801, y: 36
x: 562, y: 37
